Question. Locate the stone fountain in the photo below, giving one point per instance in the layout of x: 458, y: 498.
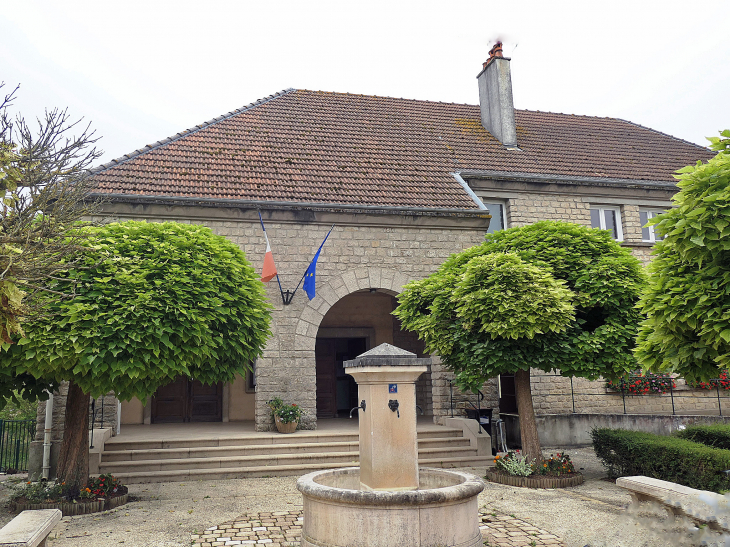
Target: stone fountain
x: 388, y: 501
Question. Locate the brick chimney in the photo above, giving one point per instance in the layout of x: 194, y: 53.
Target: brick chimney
x: 495, y: 97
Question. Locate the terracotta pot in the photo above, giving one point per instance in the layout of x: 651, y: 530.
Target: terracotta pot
x: 281, y: 427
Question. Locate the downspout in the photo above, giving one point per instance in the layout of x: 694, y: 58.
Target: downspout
x: 469, y: 191
x: 47, y: 437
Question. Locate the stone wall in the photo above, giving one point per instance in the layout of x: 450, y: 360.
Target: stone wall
x: 108, y: 420
x: 525, y: 207
x: 552, y: 394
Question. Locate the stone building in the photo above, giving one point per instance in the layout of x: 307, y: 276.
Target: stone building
x: 405, y: 183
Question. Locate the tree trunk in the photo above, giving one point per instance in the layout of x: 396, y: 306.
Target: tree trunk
x: 73, y: 461
x: 528, y: 426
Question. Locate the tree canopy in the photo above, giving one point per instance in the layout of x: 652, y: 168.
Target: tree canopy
x: 554, y: 296
x: 44, y: 185
x: 153, y: 301
x: 687, y: 303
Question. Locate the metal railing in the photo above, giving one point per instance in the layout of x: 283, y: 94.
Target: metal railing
x: 15, y: 439
x: 92, y: 419
x: 631, y: 403
x: 638, y: 400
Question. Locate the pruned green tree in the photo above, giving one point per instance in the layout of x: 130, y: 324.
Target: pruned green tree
x: 549, y: 296
x: 687, y: 302
x: 154, y: 301
x: 43, y: 185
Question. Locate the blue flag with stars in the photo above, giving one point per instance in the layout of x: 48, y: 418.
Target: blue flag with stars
x: 310, y: 276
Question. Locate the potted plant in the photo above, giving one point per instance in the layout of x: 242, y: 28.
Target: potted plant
x: 286, y: 416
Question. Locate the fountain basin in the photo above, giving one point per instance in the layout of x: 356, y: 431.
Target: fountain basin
x: 442, y: 512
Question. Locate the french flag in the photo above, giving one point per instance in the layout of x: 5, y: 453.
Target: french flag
x: 269, y: 271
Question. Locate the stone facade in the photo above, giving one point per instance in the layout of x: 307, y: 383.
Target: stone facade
x: 364, y: 252
x: 379, y: 251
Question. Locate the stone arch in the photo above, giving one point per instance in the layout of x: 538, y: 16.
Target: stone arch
x: 338, y: 287
x: 328, y: 294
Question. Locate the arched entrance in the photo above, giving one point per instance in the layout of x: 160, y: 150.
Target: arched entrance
x: 354, y: 324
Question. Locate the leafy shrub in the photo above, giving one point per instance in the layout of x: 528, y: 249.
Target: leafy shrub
x: 514, y: 464
x: 717, y: 435
x: 39, y: 492
x: 641, y: 384
x: 627, y: 453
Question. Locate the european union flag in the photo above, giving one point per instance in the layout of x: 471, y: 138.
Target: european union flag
x: 310, y: 276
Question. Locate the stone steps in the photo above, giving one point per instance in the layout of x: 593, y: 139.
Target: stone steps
x: 265, y: 455
x: 260, y: 449
x: 342, y: 458
x: 182, y: 475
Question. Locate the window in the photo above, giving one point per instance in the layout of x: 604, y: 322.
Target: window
x: 647, y: 232
x: 499, y: 219
x: 608, y: 218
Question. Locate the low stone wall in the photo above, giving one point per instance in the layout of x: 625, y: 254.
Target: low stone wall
x: 565, y: 430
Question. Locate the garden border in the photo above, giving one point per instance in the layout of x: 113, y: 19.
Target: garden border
x: 535, y: 482
x: 72, y: 509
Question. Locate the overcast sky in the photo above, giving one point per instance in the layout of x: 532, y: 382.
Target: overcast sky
x: 141, y: 71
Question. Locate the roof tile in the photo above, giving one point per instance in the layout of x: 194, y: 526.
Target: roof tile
x: 313, y: 146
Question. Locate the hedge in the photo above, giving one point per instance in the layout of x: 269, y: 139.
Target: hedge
x: 717, y: 435
x: 628, y: 453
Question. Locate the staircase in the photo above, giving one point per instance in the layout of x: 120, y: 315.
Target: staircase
x: 265, y: 454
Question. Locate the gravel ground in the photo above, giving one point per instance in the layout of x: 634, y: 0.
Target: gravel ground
x: 166, y: 514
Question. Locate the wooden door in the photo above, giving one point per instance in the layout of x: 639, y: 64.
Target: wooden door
x: 186, y: 400
x: 324, y: 354
x: 205, y: 402
x: 169, y: 404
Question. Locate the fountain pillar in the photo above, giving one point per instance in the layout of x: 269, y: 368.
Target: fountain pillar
x: 388, y: 501
x: 386, y: 379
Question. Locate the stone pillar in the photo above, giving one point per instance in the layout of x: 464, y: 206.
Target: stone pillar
x: 386, y: 378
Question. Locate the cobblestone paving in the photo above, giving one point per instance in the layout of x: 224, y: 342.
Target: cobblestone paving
x: 505, y: 531
x: 284, y: 529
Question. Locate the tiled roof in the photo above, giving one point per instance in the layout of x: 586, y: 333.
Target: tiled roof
x: 337, y: 148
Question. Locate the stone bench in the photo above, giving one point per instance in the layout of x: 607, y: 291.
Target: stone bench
x: 29, y: 528
x: 699, y: 505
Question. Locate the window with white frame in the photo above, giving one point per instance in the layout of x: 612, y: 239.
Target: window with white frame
x: 499, y: 217
x: 607, y: 218
x: 647, y: 232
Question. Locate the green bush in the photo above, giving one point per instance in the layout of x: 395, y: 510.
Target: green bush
x: 628, y: 453
x: 717, y: 436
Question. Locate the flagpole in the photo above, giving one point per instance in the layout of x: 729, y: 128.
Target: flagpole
x: 283, y: 298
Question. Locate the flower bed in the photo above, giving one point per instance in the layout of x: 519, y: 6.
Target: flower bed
x: 540, y: 481
x: 102, y: 493
x: 557, y: 471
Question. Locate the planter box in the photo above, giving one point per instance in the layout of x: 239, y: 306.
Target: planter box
x: 540, y: 481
